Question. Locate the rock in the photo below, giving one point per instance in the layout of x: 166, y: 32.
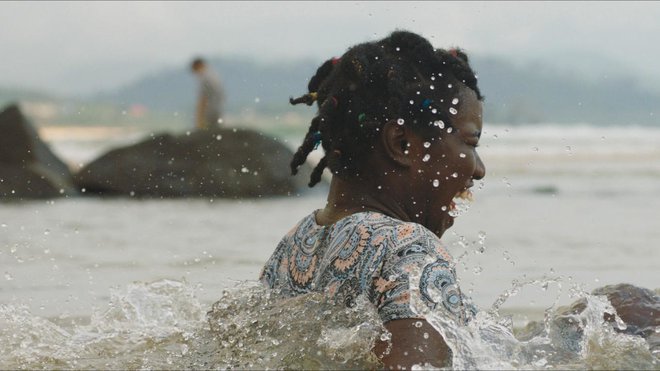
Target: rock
x: 28, y: 168
x: 229, y: 163
x: 638, y: 307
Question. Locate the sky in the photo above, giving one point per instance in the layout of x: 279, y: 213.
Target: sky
x: 84, y: 47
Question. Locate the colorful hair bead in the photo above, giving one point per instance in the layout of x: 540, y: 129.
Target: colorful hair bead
x: 426, y: 103
x: 317, y: 139
x: 362, y: 117
x: 357, y: 66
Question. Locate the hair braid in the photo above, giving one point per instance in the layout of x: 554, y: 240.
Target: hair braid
x: 306, y: 147
x: 317, y: 172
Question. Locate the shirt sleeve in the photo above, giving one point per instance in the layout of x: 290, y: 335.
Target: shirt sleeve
x: 417, y: 264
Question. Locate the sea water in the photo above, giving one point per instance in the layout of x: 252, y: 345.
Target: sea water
x: 125, y: 283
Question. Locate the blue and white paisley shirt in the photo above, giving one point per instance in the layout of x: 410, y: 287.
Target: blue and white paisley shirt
x: 369, y: 254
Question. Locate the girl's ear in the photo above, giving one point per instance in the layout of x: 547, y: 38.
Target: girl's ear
x: 395, y: 140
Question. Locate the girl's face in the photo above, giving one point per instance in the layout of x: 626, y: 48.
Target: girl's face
x: 445, y: 166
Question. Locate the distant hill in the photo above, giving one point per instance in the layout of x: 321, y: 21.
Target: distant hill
x: 248, y: 85
x: 12, y: 95
x: 515, y: 94
x: 536, y: 93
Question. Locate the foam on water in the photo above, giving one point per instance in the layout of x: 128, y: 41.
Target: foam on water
x: 161, y: 325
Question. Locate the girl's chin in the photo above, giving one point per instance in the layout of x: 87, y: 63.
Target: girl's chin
x: 446, y: 223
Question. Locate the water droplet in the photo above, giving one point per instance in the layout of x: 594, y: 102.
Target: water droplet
x: 3, y: 225
x: 432, y: 78
x: 220, y: 121
x: 454, y: 175
x: 400, y: 121
x: 427, y: 144
x: 426, y: 158
x: 449, y: 86
x: 434, y: 111
x: 218, y: 137
x: 418, y: 324
x: 461, y: 155
x: 426, y: 335
x: 412, y: 101
x: 257, y: 100
x: 443, y: 208
x: 440, y: 124
x: 244, y: 170
x: 398, y: 49
x: 8, y: 276
x: 431, y: 87
x: 453, y: 110
x: 436, y: 183
x: 47, y: 232
x: 449, y: 130
x: 454, y: 101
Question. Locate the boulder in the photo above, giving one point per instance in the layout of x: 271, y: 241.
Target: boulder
x: 28, y: 168
x: 638, y: 308
x: 227, y: 163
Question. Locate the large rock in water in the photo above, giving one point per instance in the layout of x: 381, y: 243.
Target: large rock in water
x: 28, y: 168
x: 229, y: 163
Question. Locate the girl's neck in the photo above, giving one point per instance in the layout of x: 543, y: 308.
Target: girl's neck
x: 349, y: 197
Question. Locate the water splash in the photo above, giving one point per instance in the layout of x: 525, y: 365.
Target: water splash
x: 161, y: 325
x: 568, y: 338
x: 146, y: 326
x: 254, y: 328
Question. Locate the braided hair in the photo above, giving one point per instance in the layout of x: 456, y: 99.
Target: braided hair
x: 401, y: 77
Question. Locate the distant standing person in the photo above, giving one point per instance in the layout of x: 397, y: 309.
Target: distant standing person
x: 210, y: 101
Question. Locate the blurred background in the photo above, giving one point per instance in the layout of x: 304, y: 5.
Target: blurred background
x: 571, y: 139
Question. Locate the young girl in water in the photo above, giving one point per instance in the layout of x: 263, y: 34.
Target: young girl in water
x: 399, y: 122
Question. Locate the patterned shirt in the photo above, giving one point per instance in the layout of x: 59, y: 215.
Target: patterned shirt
x: 369, y: 254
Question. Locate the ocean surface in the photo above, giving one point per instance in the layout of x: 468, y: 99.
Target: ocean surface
x: 561, y: 211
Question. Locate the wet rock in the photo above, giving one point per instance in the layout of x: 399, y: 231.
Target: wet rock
x: 28, y: 168
x: 229, y: 163
x: 638, y: 307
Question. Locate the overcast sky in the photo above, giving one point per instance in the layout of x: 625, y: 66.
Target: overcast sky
x: 82, y: 47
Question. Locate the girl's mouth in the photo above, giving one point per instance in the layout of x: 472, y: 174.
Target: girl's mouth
x: 460, y: 203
